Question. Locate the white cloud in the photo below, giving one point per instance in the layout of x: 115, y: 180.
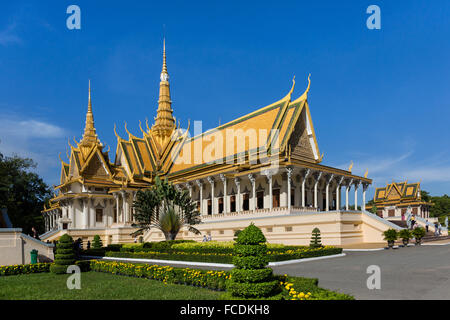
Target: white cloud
x: 30, y: 129
x: 9, y: 36
x: 35, y: 139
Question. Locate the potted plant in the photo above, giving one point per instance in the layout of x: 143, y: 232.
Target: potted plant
x: 405, y: 235
x: 418, y: 234
x: 390, y: 236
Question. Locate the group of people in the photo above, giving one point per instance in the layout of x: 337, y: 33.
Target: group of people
x: 437, y: 228
x: 207, y: 238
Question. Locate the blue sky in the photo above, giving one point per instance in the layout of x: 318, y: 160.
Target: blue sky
x: 378, y: 97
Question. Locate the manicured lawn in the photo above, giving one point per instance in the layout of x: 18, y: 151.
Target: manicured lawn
x: 96, y: 285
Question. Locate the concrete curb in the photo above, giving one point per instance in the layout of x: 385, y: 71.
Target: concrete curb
x: 435, y: 244
x: 186, y: 263
x: 282, y: 263
x: 207, y: 264
x: 363, y: 250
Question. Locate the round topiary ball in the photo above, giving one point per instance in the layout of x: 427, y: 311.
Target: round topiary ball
x: 251, y: 235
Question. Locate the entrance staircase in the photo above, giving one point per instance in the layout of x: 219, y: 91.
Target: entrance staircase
x: 429, y: 235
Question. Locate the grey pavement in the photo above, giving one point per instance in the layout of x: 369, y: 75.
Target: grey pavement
x: 420, y: 272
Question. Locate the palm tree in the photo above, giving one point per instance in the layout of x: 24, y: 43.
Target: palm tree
x: 165, y: 208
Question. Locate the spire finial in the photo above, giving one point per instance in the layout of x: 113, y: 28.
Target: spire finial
x: 164, y: 73
x: 89, y: 136
x: 89, y: 98
x: 164, y: 120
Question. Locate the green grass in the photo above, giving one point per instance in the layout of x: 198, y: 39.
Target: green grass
x: 97, y: 286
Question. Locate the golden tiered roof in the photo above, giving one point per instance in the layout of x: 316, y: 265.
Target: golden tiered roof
x: 398, y: 194
x: 165, y: 150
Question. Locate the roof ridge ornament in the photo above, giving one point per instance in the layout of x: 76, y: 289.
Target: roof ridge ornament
x: 304, y: 96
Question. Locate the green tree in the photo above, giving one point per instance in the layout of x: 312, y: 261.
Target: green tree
x: 441, y: 204
x: 97, y: 243
x: 22, y: 192
x: 316, y: 241
x: 165, y: 208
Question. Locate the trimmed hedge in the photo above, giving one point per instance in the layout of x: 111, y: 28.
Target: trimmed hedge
x: 250, y: 278
x: 222, y: 256
x: 252, y: 289
x: 214, y: 280
x: 63, y: 257
x: 181, y: 256
x: 24, y: 269
x: 242, y: 275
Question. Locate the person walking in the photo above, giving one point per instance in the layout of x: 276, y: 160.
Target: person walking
x: 427, y: 225
x: 204, y: 238
x: 413, y: 221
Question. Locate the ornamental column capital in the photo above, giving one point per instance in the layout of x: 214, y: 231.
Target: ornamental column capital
x: 199, y: 183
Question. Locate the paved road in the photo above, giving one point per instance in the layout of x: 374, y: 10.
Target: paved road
x: 421, y: 272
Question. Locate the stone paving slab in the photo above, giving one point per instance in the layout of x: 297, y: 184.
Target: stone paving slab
x: 417, y: 272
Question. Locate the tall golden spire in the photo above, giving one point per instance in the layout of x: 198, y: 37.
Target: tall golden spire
x: 164, y: 121
x: 90, y: 136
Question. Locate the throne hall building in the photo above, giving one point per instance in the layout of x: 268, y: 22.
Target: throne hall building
x: 264, y: 167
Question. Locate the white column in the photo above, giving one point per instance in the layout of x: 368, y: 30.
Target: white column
x: 92, y: 215
x: 86, y: 205
x: 134, y: 193
x: 315, y: 190
x: 116, y: 196
x: 347, y: 189
x: 124, y: 207
x: 237, y: 181
x: 211, y: 182
x: 269, y: 181
x: 363, y: 206
x: 71, y: 215
x: 356, y: 194
x: 289, y: 176
x: 307, y: 173
x: 225, y: 195
x: 105, y: 213
x: 327, y: 191
x: 200, y: 187
x: 338, y: 193
x: 253, y: 182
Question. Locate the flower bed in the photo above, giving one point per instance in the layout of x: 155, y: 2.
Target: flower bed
x: 298, y: 288
x: 201, y: 278
x: 24, y: 269
x: 224, y: 255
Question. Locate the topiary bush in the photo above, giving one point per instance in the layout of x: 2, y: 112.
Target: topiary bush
x: 97, y: 243
x: 251, y: 278
x: 65, y: 255
x: 316, y: 241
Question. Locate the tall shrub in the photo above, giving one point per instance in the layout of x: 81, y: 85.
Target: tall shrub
x: 65, y: 255
x: 97, y: 243
x: 316, y: 241
x: 251, y: 278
